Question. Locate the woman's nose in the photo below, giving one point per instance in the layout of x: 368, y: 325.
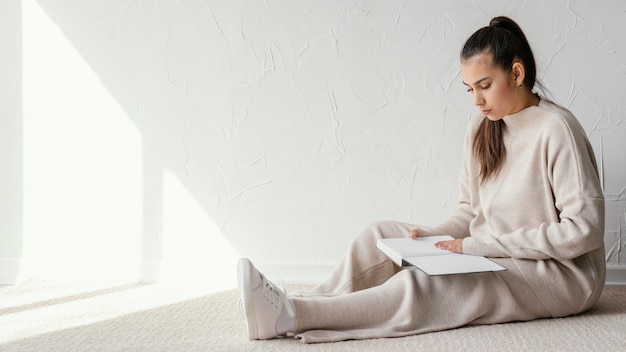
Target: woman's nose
x: 478, y: 99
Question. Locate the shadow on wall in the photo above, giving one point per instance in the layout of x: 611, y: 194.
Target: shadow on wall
x: 11, y: 183
x: 120, y: 159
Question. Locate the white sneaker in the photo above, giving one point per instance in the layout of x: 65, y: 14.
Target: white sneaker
x: 268, y: 311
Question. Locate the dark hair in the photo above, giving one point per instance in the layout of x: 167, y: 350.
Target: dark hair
x: 504, y: 39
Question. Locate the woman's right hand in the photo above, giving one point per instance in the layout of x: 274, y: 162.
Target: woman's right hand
x: 413, y: 234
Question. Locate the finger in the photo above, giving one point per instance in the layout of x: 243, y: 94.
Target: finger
x: 413, y: 234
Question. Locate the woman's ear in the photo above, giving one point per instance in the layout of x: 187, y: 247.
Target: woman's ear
x: 518, y: 71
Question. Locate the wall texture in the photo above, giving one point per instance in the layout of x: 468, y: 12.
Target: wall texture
x: 166, y: 134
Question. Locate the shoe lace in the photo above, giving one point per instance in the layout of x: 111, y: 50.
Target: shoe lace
x: 276, y: 294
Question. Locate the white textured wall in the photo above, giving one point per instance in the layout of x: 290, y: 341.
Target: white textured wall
x: 161, y: 134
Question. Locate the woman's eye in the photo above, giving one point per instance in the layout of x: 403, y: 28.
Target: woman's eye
x: 486, y: 87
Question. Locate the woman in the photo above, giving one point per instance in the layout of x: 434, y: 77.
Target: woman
x: 530, y: 199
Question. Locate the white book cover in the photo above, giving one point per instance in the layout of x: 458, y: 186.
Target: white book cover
x: 422, y: 253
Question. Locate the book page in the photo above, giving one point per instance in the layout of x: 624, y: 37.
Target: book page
x: 453, y: 264
x: 421, y: 246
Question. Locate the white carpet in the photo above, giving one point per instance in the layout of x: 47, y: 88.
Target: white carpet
x: 43, y: 316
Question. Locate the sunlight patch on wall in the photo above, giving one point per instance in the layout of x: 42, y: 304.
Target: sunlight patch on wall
x: 82, y: 164
x: 194, y: 249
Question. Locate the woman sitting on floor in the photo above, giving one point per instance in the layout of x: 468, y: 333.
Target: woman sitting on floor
x: 530, y: 200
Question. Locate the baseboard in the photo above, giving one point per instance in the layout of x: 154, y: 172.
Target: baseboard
x: 290, y: 274
x: 9, y: 270
x: 616, y: 275
x: 150, y: 271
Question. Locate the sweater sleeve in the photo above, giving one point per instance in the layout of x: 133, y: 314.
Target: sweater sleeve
x: 578, y: 202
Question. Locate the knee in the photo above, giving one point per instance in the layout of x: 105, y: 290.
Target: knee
x: 386, y: 229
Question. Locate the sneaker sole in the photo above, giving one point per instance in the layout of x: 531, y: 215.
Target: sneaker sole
x: 244, y: 268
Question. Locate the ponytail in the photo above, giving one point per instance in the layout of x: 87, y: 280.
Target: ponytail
x: 504, y: 39
x: 489, y: 147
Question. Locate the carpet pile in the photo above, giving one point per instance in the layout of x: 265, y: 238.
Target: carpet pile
x: 43, y: 316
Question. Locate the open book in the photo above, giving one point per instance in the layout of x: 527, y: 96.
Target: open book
x: 422, y: 253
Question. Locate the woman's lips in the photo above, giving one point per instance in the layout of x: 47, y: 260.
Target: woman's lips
x: 486, y: 112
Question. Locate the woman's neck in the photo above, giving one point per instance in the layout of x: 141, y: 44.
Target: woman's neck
x: 530, y: 99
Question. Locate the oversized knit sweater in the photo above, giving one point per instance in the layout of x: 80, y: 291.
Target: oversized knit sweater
x: 545, y: 204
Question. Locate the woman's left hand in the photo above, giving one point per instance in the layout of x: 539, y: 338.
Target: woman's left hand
x: 455, y: 246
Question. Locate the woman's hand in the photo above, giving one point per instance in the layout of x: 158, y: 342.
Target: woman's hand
x: 455, y: 246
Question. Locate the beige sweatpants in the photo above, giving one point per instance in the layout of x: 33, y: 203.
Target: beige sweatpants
x: 367, y: 296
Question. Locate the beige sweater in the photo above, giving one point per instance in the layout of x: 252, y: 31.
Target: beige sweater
x: 546, y: 203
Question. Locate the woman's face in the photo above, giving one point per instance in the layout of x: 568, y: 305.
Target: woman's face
x: 493, y: 90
